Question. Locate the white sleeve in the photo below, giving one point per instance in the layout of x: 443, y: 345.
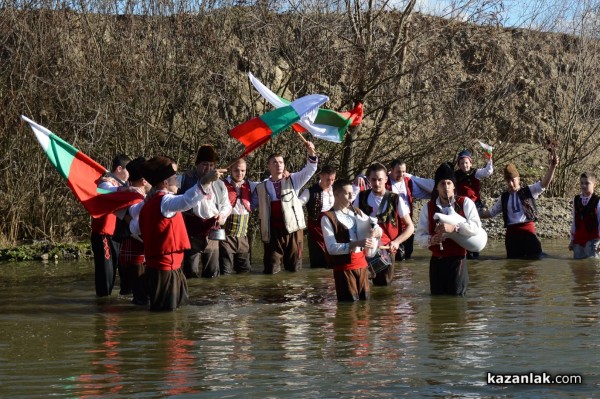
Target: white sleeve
x: 473, y: 224
x: 536, y: 189
x: 304, y: 197
x: 108, y: 186
x: 171, y: 204
x: 331, y: 245
x: 299, y: 179
x: 422, y: 188
x: 486, y: 171
x: 422, y: 231
x: 496, y: 208
x: 402, y: 207
x: 573, y: 220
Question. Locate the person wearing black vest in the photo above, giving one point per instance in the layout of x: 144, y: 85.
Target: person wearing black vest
x: 391, y: 213
x: 318, y: 198
x: 448, y: 274
x: 519, y: 212
x: 202, y: 259
x: 585, y: 228
x: 349, y: 237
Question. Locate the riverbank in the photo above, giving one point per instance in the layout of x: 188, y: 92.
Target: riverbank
x: 554, y: 223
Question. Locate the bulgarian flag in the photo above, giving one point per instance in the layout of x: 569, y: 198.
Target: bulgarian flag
x: 257, y: 131
x: 81, y: 173
x: 487, y: 149
x: 328, y: 125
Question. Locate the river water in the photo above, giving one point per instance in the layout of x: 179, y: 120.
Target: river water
x: 285, y: 336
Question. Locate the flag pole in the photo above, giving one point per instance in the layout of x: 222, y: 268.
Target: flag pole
x: 301, y: 137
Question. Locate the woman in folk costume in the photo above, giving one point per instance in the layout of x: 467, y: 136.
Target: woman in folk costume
x: 448, y: 274
x: 164, y: 233
x: 585, y: 228
x: 348, y: 233
x: 519, y: 211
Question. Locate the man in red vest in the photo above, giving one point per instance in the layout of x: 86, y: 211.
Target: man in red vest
x: 108, y: 231
x: 448, y: 273
x: 234, y: 251
x: 585, y: 228
x: 347, y: 233
x: 164, y: 232
x: 391, y: 213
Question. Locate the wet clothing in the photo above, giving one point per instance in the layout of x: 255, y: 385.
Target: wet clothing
x: 519, y: 212
x: 317, y: 201
x: 166, y: 239
x: 448, y: 273
x: 282, y: 219
x: 585, y: 227
x: 202, y: 259
x: 349, y: 266
x: 388, y: 209
x: 234, y: 251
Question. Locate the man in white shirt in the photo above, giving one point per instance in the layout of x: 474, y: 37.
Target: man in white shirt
x: 448, y: 274
x: 391, y: 213
x: 202, y: 260
x: 234, y: 251
x: 519, y: 212
x: 318, y: 198
x: 280, y: 212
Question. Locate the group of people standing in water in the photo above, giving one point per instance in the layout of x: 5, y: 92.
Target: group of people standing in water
x: 195, y: 224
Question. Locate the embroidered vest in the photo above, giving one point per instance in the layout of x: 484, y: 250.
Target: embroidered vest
x: 388, y: 220
x: 527, y: 201
x: 315, y: 202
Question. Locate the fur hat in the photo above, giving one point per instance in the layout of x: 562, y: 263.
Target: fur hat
x: 157, y: 169
x: 206, y: 153
x: 133, y: 167
x: 464, y: 154
x: 444, y: 172
x: 510, y: 172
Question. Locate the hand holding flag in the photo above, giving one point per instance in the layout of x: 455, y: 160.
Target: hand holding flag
x: 487, y: 149
x: 257, y: 131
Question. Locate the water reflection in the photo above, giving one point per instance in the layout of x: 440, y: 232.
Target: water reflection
x: 586, y: 290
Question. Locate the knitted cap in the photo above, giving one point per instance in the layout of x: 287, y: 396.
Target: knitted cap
x: 133, y: 168
x: 510, y: 172
x: 464, y: 154
x: 206, y: 153
x: 157, y: 169
x: 444, y: 172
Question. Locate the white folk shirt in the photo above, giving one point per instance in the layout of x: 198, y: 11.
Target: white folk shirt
x: 349, y: 221
x: 299, y: 179
x: 239, y: 208
x: 515, y: 211
x: 374, y: 201
x: 468, y: 228
x: 327, y: 199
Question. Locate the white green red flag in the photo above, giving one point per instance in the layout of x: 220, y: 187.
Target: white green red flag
x: 257, y: 131
x: 81, y: 173
x: 487, y: 149
x: 328, y: 125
